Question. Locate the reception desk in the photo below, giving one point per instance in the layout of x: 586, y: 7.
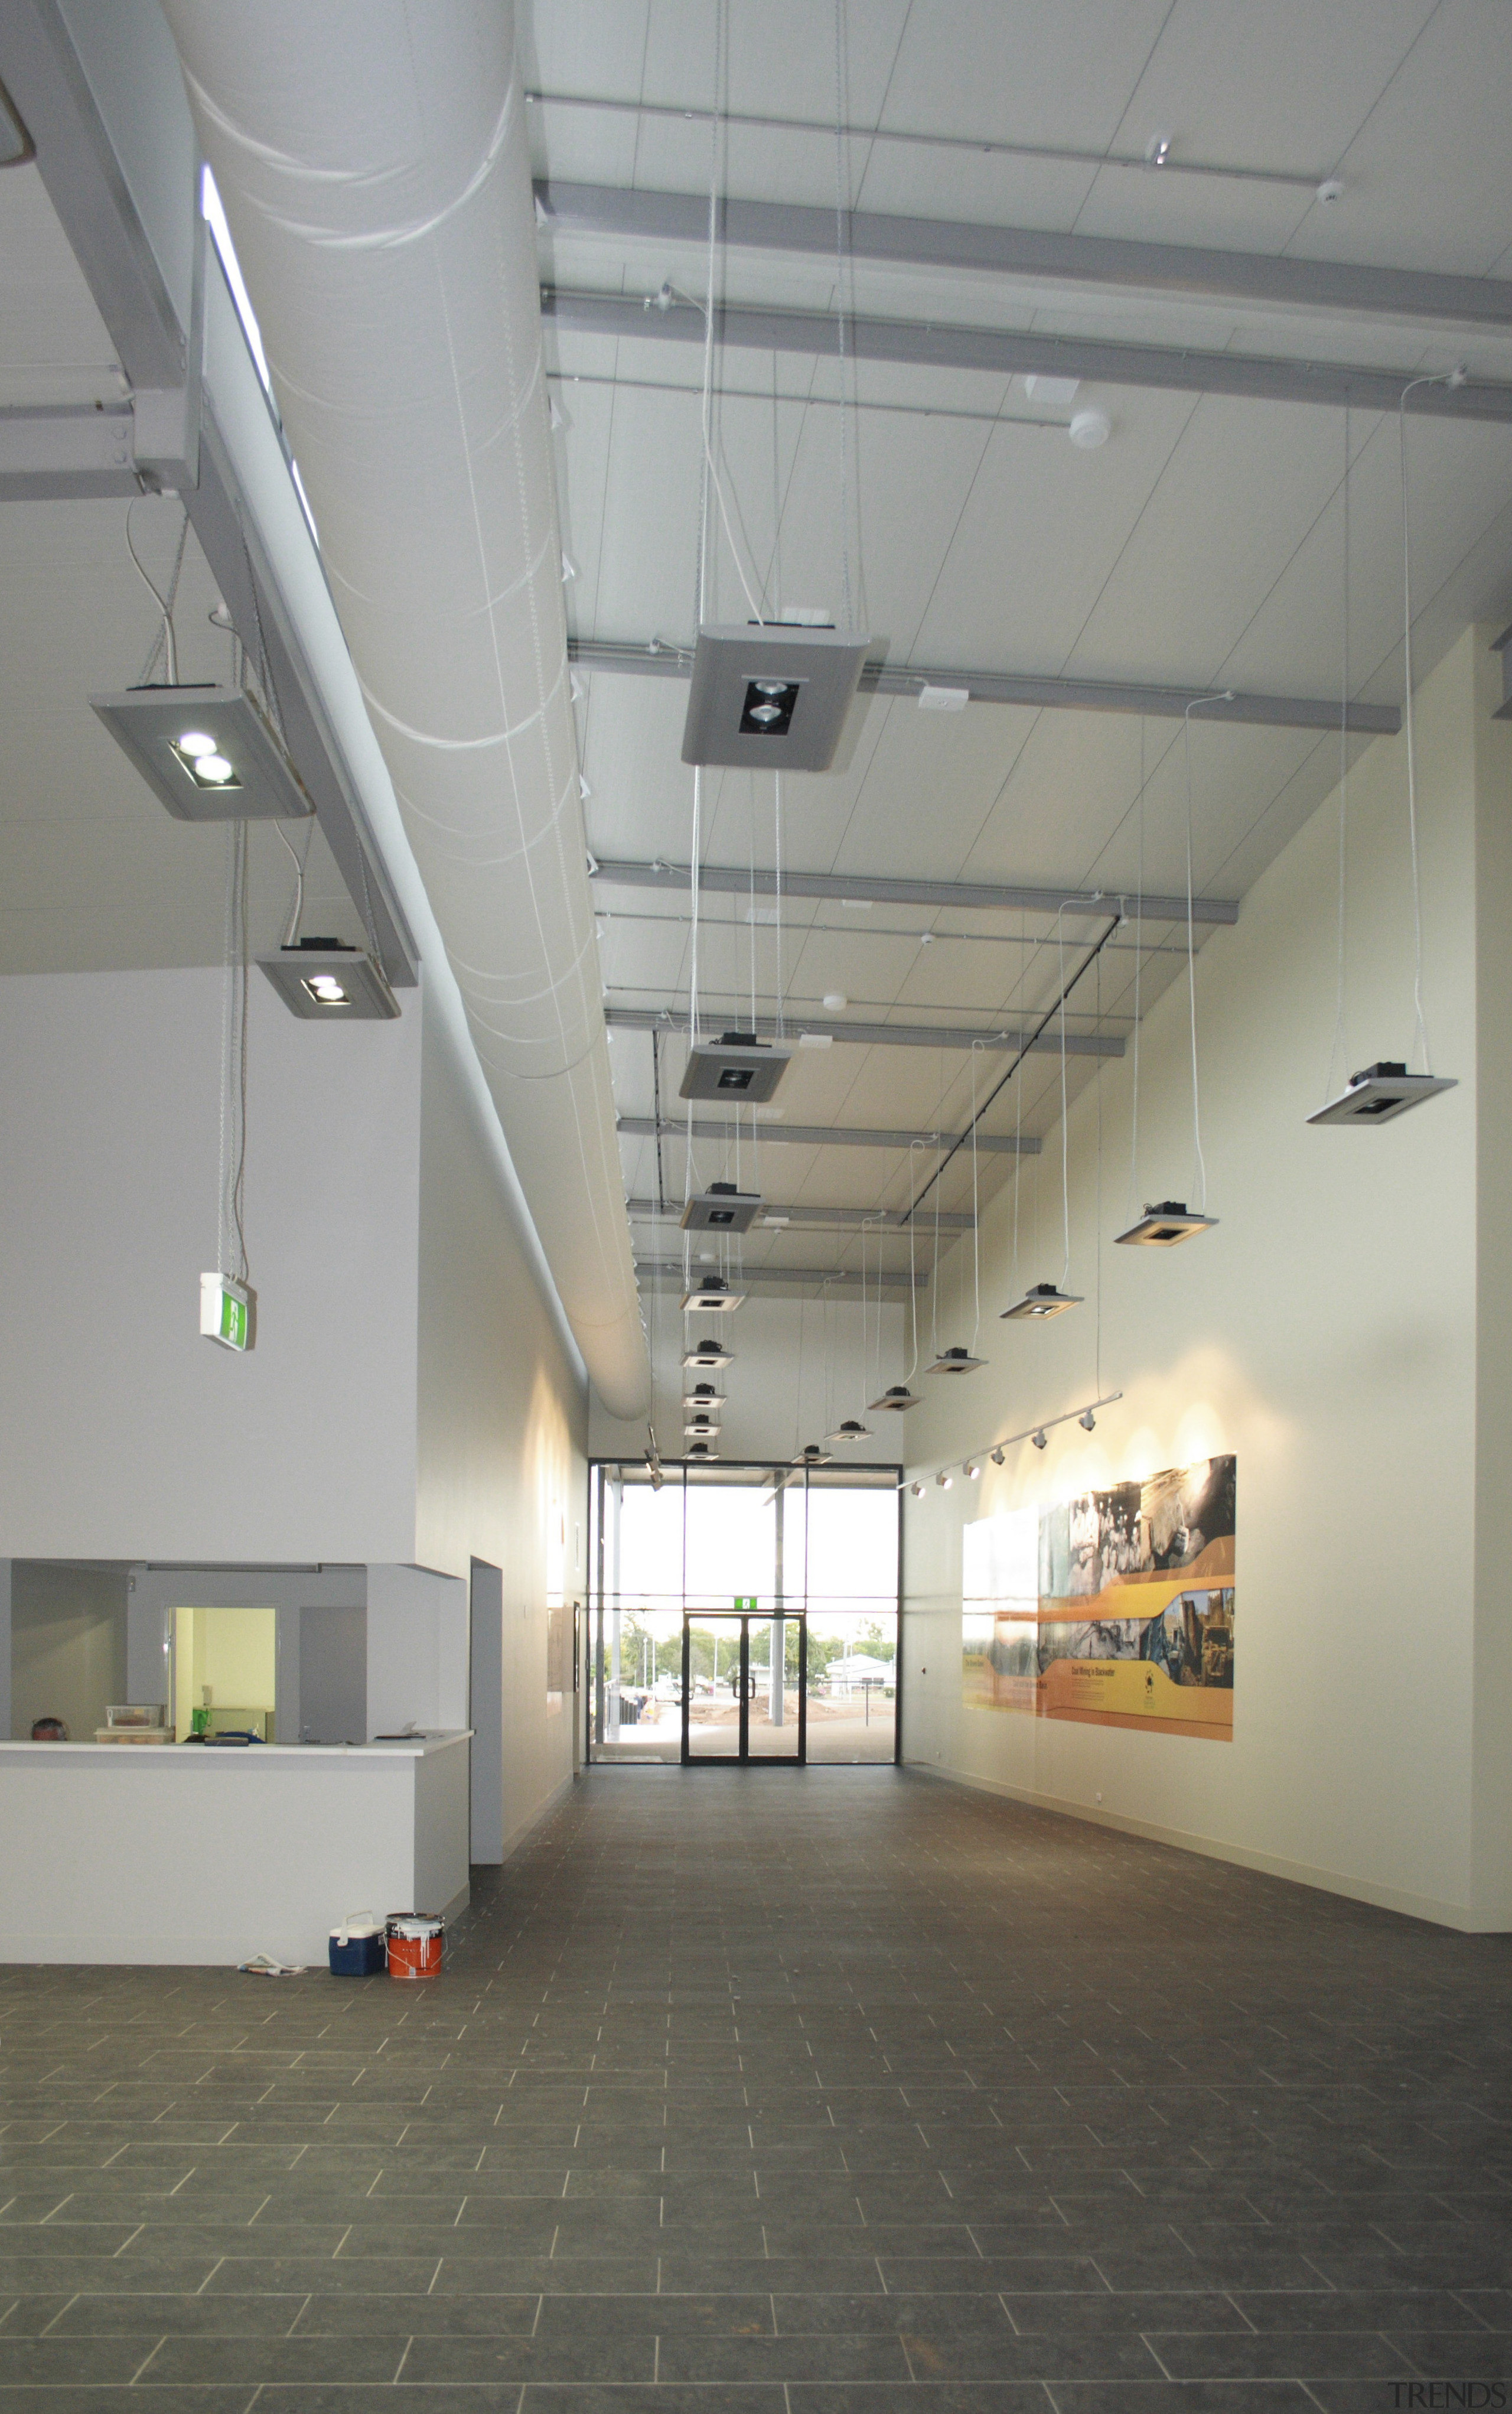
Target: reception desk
x: 181, y: 1853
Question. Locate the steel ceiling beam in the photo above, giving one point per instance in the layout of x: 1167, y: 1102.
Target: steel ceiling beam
x: 824, y: 1136
x: 1012, y: 352
x: 1048, y: 692
x: 877, y: 1034
x: 671, y: 1270
x: 1175, y: 271
x: 935, y: 895
x: 837, y: 1219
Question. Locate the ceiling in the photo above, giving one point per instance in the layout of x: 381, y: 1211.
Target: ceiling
x: 1201, y: 547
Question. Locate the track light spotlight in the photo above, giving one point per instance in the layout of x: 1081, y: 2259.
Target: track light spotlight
x: 995, y: 1456
x: 917, y: 1490
x: 945, y: 1480
x: 972, y: 1470
x: 1040, y: 1441
x: 1086, y: 1421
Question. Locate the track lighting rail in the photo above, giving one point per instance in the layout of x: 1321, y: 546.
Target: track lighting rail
x: 997, y: 1450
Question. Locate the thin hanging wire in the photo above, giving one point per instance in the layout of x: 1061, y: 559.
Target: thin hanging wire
x: 913, y: 1287
x: 230, y: 1240
x: 1065, y: 1158
x: 777, y: 826
x: 1018, y: 1101
x: 1220, y: 695
x: 976, y: 1237
x: 1097, y: 1261
x: 934, y: 1263
x: 1139, y: 961
x: 842, y: 204
x: 164, y: 640
x: 1420, y: 1025
x: 1338, y: 1052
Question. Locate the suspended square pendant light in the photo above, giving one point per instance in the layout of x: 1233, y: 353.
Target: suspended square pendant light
x: 708, y: 1427
x: 703, y: 1396
x: 851, y: 1430
x: 701, y: 1452
x: 720, y: 1208
x: 771, y: 698
x: 709, y: 1357
x: 208, y: 752
x: 737, y: 1067
x: 1380, y: 1092
x: 898, y: 1395
x: 714, y: 1293
x: 954, y: 1362
x: 323, y: 981
x: 811, y: 1455
x: 1164, y: 1224
x: 1042, y: 1300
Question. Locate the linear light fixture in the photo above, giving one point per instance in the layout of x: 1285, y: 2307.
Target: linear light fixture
x: 1381, y: 1093
x: 208, y: 752
x: 1042, y: 1300
x: 323, y: 981
x: 708, y: 1356
x: 1164, y: 1224
x: 720, y: 1208
x: 773, y: 697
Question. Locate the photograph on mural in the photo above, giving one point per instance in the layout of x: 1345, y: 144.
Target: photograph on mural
x: 1115, y: 1608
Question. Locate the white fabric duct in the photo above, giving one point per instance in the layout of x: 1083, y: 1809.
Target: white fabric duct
x: 373, y: 162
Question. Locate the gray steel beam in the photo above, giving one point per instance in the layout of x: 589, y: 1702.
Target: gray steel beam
x: 670, y: 1270
x: 827, y: 1136
x: 60, y: 455
x: 1181, y: 271
x: 657, y: 660
x: 877, y: 1035
x: 837, y: 1219
x: 935, y: 895
x: 1011, y: 352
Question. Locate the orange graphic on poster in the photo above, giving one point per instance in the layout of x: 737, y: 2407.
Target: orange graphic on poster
x: 1113, y: 1609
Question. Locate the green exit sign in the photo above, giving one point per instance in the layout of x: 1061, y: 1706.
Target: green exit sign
x: 227, y: 1311
x: 744, y: 1600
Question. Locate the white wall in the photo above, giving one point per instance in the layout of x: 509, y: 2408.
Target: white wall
x: 502, y: 1431
x: 1325, y: 1333
x: 124, y: 1435
x: 417, y: 1649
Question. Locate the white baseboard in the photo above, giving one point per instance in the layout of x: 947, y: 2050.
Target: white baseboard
x: 1414, y: 1906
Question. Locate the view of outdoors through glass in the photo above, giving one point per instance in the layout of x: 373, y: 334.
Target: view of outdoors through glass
x: 758, y: 1623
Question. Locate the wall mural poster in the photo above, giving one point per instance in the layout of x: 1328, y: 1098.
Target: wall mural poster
x: 1113, y: 1609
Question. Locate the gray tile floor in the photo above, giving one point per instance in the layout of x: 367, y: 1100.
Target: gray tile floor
x: 770, y: 2092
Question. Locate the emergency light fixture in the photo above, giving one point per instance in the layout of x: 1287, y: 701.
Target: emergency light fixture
x: 228, y: 1312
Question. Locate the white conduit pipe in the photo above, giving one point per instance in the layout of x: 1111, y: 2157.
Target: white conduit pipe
x: 373, y: 161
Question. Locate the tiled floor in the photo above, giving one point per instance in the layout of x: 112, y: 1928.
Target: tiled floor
x: 815, y: 2092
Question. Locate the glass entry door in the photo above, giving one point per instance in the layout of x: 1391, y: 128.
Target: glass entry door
x: 745, y: 1690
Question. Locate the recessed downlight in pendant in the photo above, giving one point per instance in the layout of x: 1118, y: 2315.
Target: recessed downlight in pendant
x: 1162, y: 1225
x: 1380, y: 1093
x: 897, y: 1395
x: 1040, y: 1300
